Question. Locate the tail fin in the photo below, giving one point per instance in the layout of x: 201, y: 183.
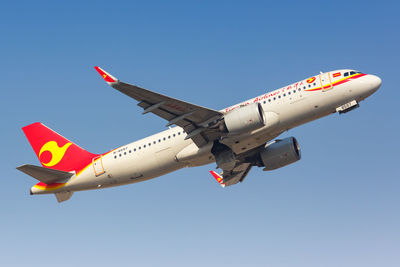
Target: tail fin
x: 55, y: 151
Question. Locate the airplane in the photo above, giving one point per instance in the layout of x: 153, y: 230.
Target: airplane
x: 236, y: 138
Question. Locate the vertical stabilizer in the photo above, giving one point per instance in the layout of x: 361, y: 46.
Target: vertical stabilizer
x: 55, y: 151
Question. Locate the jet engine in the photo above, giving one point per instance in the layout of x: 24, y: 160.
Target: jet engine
x: 244, y: 119
x: 224, y: 156
x: 280, y: 153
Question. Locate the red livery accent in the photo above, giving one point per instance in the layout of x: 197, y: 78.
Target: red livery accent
x: 52, y: 186
x: 337, y: 74
x: 338, y: 82
x: 55, y: 151
x: 217, y: 177
x: 105, y: 75
x: 312, y: 79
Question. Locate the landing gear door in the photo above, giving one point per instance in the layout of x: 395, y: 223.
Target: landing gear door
x: 326, y: 81
x: 98, y: 168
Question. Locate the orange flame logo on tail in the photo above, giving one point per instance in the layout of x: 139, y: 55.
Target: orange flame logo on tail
x: 57, y: 153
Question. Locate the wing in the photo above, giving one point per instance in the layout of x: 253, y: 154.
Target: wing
x: 197, y: 121
x: 234, y: 176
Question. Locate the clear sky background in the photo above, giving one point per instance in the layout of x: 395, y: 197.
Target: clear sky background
x: 338, y: 206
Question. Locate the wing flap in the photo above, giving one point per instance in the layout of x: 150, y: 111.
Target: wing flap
x: 45, y: 175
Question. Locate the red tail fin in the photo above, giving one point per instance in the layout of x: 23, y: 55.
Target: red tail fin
x: 55, y: 151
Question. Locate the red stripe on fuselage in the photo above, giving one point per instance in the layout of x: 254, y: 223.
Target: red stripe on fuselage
x: 337, y: 83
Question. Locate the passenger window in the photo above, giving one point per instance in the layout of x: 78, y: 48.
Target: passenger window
x: 134, y: 149
x: 169, y: 137
x: 346, y: 74
x: 269, y: 100
x: 265, y: 102
x: 164, y: 138
x: 179, y: 133
x: 174, y: 135
x: 144, y: 146
x: 130, y: 151
x: 115, y: 157
x: 124, y: 153
x: 159, y: 140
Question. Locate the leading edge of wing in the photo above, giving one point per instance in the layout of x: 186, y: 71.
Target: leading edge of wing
x: 113, y: 81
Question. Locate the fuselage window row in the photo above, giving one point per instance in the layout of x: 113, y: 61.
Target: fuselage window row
x: 149, y: 144
x: 288, y: 93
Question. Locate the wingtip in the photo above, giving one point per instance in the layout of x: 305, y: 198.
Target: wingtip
x: 106, y: 76
x: 218, y: 177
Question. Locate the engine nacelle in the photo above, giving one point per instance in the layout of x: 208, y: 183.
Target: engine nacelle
x: 224, y: 156
x: 244, y: 119
x: 280, y: 153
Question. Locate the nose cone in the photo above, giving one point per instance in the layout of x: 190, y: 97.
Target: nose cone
x: 375, y: 82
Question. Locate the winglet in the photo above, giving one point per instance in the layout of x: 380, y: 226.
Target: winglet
x: 218, y: 177
x: 106, y: 76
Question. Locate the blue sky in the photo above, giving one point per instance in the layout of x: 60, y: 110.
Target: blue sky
x: 338, y: 206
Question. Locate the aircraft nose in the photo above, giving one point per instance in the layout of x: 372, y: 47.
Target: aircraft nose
x: 375, y: 82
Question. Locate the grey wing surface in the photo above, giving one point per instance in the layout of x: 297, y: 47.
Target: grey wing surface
x: 194, y: 119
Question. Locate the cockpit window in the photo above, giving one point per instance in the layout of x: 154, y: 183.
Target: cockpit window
x: 351, y: 73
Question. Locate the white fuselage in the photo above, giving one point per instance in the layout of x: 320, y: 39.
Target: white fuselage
x: 168, y: 151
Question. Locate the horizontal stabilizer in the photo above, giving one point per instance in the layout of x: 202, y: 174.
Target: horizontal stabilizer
x: 45, y: 175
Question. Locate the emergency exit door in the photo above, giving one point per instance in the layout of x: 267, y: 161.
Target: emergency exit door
x: 326, y: 81
x: 98, y: 167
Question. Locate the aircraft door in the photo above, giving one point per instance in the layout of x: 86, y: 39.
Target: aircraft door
x: 326, y: 81
x: 98, y: 167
